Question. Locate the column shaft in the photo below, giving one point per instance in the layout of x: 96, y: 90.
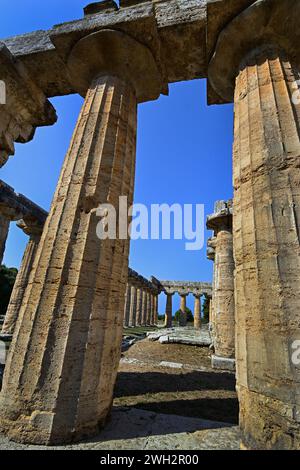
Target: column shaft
x: 224, y: 322
x: 267, y: 252
x: 144, y: 308
x: 127, y: 305
x: 169, y: 311
x: 183, y: 317
x: 197, y: 313
x: 17, y: 296
x: 132, y: 314
x: 148, y: 321
x: 59, y: 378
x: 139, y: 306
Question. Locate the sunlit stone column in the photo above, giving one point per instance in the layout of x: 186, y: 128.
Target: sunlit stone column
x: 144, y: 308
x: 152, y: 321
x: 183, y: 316
x: 155, y: 309
x: 139, y: 306
x: 127, y: 305
x: 224, y: 321
x: 169, y: 311
x: 211, y: 255
x: 197, y: 312
x: 59, y: 378
x: 4, y: 228
x: 148, y: 317
x: 266, y: 223
x: 34, y: 231
x: 133, y: 304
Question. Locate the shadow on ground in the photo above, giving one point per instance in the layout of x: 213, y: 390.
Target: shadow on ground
x: 203, y: 395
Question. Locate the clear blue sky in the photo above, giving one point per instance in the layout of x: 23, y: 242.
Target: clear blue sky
x: 183, y: 155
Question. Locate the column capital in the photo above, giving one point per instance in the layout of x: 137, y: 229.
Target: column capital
x: 31, y: 228
x: 269, y: 19
x: 222, y: 216
x: 26, y: 105
x: 113, y: 53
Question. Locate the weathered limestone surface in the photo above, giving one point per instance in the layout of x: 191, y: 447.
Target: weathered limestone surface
x: 267, y: 214
x: 223, y: 295
x: 62, y: 366
x: 4, y: 228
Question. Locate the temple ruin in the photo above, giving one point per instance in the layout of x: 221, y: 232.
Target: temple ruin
x: 79, y: 291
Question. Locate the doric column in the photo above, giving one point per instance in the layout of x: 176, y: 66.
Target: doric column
x: 59, y: 378
x: 261, y: 73
x: 132, y: 314
x: 224, y: 321
x: 144, y: 308
x: 155, y: 309
x: 148, y: 309
x: 169, y: 311
x: 4, y: 228
x: 139, y: 306
x: 152, y: 306
x: 34, y: 231
x: 197, y: 312
x: 183, y: 317
x: 127, y: 305
x: 211, y: 255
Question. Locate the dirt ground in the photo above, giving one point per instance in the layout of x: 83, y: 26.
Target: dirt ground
x: 186, y: 392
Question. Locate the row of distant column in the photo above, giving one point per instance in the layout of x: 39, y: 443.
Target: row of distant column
x: 183, y: 314
x: 141, y: 306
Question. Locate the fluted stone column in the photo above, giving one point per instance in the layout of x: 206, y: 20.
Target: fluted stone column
x: 59, y: 378
x: 127, y: 305
x: 133, y: 304
x: 152, y: 300
x: 266, y: 218
x: 197, y: 312
x: 224, y: 320
x: 139, y: 306
x: 144, y: 308
x: 183, y: 316
x: 211, y: 255
x: 4, y: 228
x: 169, y: 311
x: 34, y: 231
x: 155, y: 309
x: 148, y: 309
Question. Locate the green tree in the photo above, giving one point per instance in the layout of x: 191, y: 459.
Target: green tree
x: 7, y: 280
x: 189, y: 315
x: 205, y: 310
